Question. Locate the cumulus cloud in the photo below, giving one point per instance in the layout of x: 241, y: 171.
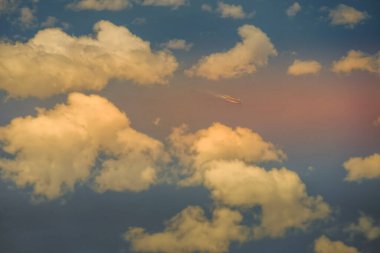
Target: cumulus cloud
x: 360, y: 168
x: 7, y: 6
x: 357, y: 60
x: 219, y: 142
x: 325, y: 245
x: 190, y: 231
x: 293, y: 9
x: 280, y: 193
x: 54, y: 62
x: 99, y: 5
x: 346, y: 15
x: 177, y: 44
x: 299, y: 67
x: 365, y: 226
x: 232, y: 11
x: 244, y: 58
x: 57, y: 149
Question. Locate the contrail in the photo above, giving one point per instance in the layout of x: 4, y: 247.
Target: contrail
x: 226, y: 98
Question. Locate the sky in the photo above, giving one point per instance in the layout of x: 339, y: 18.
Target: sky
x: 181, y: 126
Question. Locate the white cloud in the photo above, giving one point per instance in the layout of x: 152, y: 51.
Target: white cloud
x: 219, y: 142
x: 171, y: 3
x: 357, y: 60
x: 346, y: 15
x: 54, y: 62
x: 242, y: 59
x: 360, y: 168
x: 190, y: 231
x: 293, y: 9
x: 280, y: 193
x: 99, y: 5
x: 232, y: 11
x: 177, y: 44
x: 57, y: 149
x: 365, y: 226
x: 300, y: 67
x: 325, y: 245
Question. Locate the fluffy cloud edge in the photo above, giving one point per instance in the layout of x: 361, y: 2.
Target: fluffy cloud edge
x: 53, y: 62
x: 244, y: 58
x: 191, y: 231
x: 57, y: 149
x: 359, y: 168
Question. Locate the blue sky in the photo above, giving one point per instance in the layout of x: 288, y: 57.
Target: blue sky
x: 116, y: 136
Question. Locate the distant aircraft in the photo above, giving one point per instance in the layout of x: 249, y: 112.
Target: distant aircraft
x: 226, y: 98
x: 229, y: 99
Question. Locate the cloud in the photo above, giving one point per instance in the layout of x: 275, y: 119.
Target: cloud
x: 325, y: 245
x: 219, y: 142
x: 100, y: 5
x: 346, y: 15
x: 280, y: 193
x: 27, y: 17
x: 171, y: 3
x: 377, y: 122
x: 117, y: 5
x: 357, y: 60
x: 206, y: 7
x: 359, y: 168
x: 7, y: 6
x: 177, y: 44
x: 293, y: 9
x: 190, y: 231
x: 299, y: 67
x: 365, y: 226
x: 242, y: 59
x: 232, y: 11
x: 57, y: 149
x: 54, y: 62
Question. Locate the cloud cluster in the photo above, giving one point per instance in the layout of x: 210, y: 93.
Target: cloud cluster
x: 366, y: 227
x: 299, y: 67
x: 357, y: 60
x: 219, y: 142
x: 360, y: 168
x: 58, y: 148
x: 244, y: 58
x: 346, y: 15
x: 236, y: 184
x: 117, y: 5
x: 54, y: 62
x: 217, y: 157
x: 293, y: 9
x: 190, y: 231
x: 324, y: 245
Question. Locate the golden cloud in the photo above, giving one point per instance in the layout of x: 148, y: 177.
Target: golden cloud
x: 54, y: 62
x: 57, y: 149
